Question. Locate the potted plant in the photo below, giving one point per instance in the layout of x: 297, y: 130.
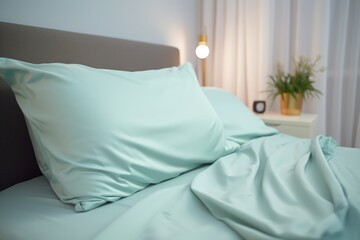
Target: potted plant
x: 295, y: 87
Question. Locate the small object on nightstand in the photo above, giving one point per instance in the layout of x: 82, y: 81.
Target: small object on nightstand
x: 259, y: 106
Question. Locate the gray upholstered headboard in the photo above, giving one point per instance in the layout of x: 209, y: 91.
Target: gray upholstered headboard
x: 39, y: 45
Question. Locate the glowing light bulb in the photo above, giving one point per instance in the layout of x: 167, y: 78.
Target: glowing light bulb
x: 202, y: 51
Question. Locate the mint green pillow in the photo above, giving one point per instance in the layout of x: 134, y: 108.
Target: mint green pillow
x: 240, y: 123
x: 101, y: 135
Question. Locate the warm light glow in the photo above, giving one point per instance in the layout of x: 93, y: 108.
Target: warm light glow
x: 202, y: 51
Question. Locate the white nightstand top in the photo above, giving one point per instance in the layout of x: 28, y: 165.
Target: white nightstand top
x: 305, y: 119
x: 304, y: 125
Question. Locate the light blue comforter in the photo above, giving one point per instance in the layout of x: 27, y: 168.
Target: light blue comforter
x: 276, y: 187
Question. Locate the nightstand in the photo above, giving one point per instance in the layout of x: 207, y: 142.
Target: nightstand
x: 304, y: 125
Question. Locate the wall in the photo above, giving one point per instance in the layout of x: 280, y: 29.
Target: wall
x: 170, y: 22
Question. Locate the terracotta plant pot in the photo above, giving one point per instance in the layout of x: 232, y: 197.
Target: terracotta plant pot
x: 290, y: 105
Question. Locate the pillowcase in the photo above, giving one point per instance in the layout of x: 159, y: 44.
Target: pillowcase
x: 101, y: 135
x: 240, y: 123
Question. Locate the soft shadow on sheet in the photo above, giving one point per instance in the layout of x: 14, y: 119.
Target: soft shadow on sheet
x: 171, y: 213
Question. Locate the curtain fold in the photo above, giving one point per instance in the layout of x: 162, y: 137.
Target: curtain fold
x: 248, y: 37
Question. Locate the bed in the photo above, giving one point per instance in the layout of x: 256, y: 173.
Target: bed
x: 105, y: 138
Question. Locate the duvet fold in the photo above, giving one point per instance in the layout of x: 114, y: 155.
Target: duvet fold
x: 277, y: 187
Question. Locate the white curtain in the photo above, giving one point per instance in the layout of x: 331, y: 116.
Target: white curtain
x: 248, y: 37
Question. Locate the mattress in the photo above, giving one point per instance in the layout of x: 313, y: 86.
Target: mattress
x: 204, y: 204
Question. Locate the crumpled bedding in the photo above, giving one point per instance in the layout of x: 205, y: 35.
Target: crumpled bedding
x: 277, y: 187
x: 273, y: 187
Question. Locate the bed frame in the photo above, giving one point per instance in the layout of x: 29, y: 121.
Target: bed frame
x: 40, y: 45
